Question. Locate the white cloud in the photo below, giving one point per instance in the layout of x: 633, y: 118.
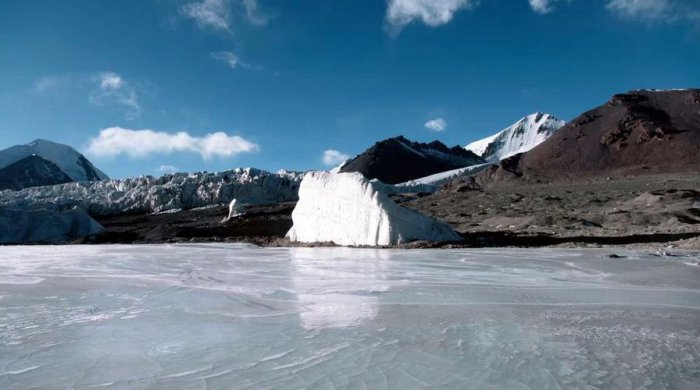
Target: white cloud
x: 434, y: 13
x: 217, y: 14
x: 111, y: 88
x: 115, y: 141
x: 541, y: 6
x: 168, y: 169
x: 253, y: 13
x: 230, y: 59
x: 214, y: 14
x: 641, y: 9
x: 437, y: 124
x: 333, y: 157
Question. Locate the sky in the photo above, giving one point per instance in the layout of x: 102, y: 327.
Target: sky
x: 152, y: 86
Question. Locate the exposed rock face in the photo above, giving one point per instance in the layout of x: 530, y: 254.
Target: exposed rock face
x: 45, y: 226
x: 31, y: 171
x: 397, y: 160
x: 68, y: 160
x: 637, y: 132
x: 520, y: 137
x: 347, y: 209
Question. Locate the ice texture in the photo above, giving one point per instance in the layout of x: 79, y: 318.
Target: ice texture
x: 149, y: 194
x: 348, y: 209
x: 520, y: 137
x: 233, y: 316
x: 45, y: 225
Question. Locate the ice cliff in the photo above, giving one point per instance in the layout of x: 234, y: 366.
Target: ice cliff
x: 348, y: 209
x: 149, y: 194
x: 45, y: 225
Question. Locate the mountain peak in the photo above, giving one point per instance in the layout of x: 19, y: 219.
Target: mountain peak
x: 519, y: 137
x: 397, y: 159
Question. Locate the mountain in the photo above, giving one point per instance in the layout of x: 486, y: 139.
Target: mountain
x: 31, y: 171
x: 396, y: 160
x: 520, y: 137
x: 67, y: 159
x: 639, y: 132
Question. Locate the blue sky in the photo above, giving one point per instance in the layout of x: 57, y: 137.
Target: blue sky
x: 140, y: 85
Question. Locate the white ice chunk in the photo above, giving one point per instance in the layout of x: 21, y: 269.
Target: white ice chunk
x: 235, y: 209
x: 347, y: 209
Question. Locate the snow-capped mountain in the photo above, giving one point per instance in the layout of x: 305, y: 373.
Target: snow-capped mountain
x: 520, y: 137
x: 170, y: 192
x: 396, y: 160
x: 31, y: 171
x: 70, y: 162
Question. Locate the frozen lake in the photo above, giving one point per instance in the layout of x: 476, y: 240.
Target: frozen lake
x: 233, y: 317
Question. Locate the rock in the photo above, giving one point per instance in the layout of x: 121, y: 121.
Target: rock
x: 347, y: 209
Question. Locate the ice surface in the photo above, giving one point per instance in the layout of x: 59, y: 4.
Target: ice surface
x: 348, y: 209
x: 233, y: 316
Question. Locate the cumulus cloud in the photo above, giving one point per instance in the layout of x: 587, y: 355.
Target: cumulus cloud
x: 437, y: 124
x: 111, y: 88
x: 433, y: 13
x: 230, y: 59
x: 116, y: 141
x: 332, y: 157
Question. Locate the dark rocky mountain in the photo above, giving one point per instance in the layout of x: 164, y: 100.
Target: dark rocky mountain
x: 31, y: 171
x: 396, y: 160
x: 639, y: 132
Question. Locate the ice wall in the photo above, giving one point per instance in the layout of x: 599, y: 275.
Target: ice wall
x: 45, y: 225
x: 347, y: 209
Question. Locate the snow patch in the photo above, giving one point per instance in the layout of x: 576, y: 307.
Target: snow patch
x: 520, y: 137
x: 347, y: 209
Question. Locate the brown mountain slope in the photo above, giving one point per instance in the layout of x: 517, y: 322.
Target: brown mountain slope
x: 634, y: 133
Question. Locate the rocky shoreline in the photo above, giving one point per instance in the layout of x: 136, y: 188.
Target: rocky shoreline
x: 642, y: 212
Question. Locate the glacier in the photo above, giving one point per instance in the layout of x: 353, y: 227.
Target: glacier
x: 45, y: 225
x: 347, y: 209
x: 147, y: 194
x: 520, y: 137
x: 220, y: 316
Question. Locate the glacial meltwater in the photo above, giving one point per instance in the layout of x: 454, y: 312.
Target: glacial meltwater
x: 236, y: 317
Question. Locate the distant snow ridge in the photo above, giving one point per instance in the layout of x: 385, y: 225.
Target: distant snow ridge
x: 45, y: 225
x: 520, y: 137
x: 347, y: 209
x: 72, y: 163
x: 148, y: 194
